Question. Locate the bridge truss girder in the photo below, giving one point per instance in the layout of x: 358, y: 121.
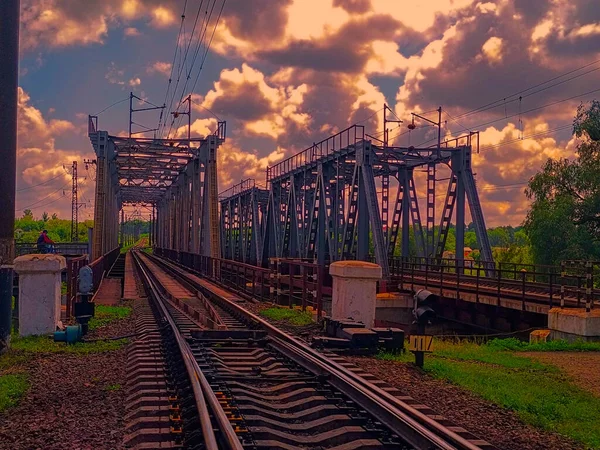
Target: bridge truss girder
x: 332, y: 202
x: 177, y: 178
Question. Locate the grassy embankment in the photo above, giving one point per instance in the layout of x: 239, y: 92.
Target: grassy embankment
x: 540, y: 394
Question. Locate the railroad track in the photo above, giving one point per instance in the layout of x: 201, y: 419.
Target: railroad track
x: 238, y: 382
x: 534, y: 293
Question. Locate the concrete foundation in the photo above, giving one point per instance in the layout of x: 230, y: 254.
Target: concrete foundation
x: 354, y: 291
x: 394, y: 308
x: 574, y: 323
x: 39, y: 293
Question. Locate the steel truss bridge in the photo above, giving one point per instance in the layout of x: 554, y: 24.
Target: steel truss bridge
x: 346, y: 197
x: 176, y: 177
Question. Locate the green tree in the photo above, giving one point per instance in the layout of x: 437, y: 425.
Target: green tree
x: 45, y: 216
x: 28, y: 213
x: 564, y: 218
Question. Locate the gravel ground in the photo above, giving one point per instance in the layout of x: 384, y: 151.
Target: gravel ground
x: 582, y: 367
x: 498, y: 426
x: 75, y: 401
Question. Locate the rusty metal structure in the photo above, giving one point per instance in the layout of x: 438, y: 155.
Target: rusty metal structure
x: 177, y: 178
x: 352, y: 196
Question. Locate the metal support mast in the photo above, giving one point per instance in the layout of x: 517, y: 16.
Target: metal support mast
x: 9, y: 70
x: 74, y: 205
x: 131, y: 111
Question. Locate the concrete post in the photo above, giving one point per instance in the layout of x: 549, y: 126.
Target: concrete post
x: 354, y: 290
x: 39, y: 293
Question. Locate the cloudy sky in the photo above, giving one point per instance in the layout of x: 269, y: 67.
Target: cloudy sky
x: 287, y: 73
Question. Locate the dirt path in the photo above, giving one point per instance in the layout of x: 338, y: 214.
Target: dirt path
x: 582, y: 367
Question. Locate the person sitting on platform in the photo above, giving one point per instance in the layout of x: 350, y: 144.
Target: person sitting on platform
x: 44, y: 243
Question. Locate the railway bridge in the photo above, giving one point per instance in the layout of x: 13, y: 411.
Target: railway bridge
x: 350, y: 196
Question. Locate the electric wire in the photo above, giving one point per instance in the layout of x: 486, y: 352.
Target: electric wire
x: 537, y: 108
x: 207, y: 49
x: 39, y: 184
x: 501, y: 100
x: 47, y: 196
x: 114, y: 104
x: 160, y: 122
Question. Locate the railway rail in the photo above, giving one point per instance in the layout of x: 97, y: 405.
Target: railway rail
x: 239, y: 382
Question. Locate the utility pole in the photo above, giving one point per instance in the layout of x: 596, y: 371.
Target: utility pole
x: 74, y: 205
x: 9, y: 78
x: 131, y: 111
x: 176, y: 114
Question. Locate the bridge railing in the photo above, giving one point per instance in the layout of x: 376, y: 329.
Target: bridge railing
x: 287, y: 282
x: 73, y: 267
x: 345, y: 138
x: 63, y: 248
x: 541, y: 284
x: 102, y: 265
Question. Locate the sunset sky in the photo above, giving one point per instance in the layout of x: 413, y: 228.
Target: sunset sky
x: 287, y: 73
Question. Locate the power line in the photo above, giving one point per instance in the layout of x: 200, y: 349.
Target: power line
x: 547, y: 105
x: 49, y: 203
x: 40, y: 184
x: 160, y: 120
x: 42, y: 199
x: 203, y: 60
x: 501, y: 100
x: 114, y: 104
x: 181, y: 68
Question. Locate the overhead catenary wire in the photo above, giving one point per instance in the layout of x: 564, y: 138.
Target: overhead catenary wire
x: 39, y: 184
x: 537, y: 108
x: 114, y: 104
x: 502, y: 100
x: 203, y: 60
x: 200, y: 38
x: 162, y: 116
x: 42, y: 199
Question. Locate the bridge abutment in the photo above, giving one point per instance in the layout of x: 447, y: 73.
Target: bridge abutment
x: 574, y: 324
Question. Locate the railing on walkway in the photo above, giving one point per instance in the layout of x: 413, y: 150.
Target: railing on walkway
x: 527, y: 283
x: 294, y: 282
x: 74, y: 265
x: 287, y: 282
x: 102, y: 265
x: 63, y: 248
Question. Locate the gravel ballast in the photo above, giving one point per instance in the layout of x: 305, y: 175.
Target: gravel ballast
x: 75, y: 401
x: 496, y: 425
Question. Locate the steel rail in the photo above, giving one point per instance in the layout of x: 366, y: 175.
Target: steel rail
x: 414, y: 426
x: 203, y: 393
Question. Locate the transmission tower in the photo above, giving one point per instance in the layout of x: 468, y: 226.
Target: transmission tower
x: 74, y: 205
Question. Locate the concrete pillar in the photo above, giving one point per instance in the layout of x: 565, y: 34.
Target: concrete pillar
x: 39, y: 293
x: 354, y: 290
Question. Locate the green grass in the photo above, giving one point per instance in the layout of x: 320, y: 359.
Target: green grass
x: 112, y: 387
x: 11, y: 361
x: 538, y: 393
x: 516, y: 345
x: 107, y: 314
x: 12, y: 388
x: 63, y: 288
x: 46, y: 344
x: 292, y: 316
